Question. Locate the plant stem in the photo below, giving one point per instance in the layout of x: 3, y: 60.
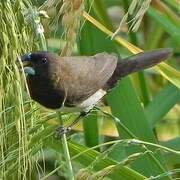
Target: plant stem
x: 128, y: 142
x: 66, y: 151
x: 67, y: 157
x: 132, y: 135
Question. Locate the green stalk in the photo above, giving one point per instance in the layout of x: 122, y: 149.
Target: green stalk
x: 128, y: 141
x: 142, y: 81
x: 67, y: 157
x: 37, y: 27
x: 66, y: 151
x: 144, y: 88
x: 42, y: 44
x: 124, y: 142
x: 154, y: 41
x: 132, y: 135
x: 117, y: 121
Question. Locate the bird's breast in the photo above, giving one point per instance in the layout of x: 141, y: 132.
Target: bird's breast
x: 43, y: 91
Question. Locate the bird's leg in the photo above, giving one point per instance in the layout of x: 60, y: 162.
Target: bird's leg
x: 63, y: 130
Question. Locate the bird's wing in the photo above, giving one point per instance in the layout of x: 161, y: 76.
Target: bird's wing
x: 83, y: 76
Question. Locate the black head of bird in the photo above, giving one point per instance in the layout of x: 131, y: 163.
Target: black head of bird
x: 80, y: 82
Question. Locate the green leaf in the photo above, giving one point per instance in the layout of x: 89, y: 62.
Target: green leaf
x: 172, y: 159
x: 91, y: 130
x: 91, y: 156
x: 173, y: 143
x: 124, y: 103
x: 166, y: 23
x: 174, y: 4
x: 161, y: 104
x: 170, y: 74
x: 93, y: 41
x: 126, y: 106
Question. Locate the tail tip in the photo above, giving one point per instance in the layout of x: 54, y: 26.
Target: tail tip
x: 165, y: 52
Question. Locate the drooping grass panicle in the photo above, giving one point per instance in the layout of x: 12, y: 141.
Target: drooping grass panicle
x: 16, y: 115
x: 70, y: 15
x: 137, y: 10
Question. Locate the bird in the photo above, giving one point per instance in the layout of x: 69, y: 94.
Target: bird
x: 78, y: 83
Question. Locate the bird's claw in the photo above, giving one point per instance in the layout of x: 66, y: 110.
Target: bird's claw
x: 60, y: 131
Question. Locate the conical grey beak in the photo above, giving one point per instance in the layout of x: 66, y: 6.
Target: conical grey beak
x: 26, y: 61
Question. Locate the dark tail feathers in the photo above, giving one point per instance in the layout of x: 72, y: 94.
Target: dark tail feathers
x: 137, y: 63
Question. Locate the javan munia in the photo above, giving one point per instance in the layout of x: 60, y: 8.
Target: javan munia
x: 78, y: 83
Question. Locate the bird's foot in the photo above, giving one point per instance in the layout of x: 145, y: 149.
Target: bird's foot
x: 60, y: 131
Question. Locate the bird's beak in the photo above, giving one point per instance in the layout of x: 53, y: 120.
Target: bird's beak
x: 26, y: 60
x: 25, y: 64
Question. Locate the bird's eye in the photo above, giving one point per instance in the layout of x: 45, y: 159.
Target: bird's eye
x: 44, y: 60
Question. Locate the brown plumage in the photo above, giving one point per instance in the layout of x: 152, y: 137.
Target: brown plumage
x: 55, y: 81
